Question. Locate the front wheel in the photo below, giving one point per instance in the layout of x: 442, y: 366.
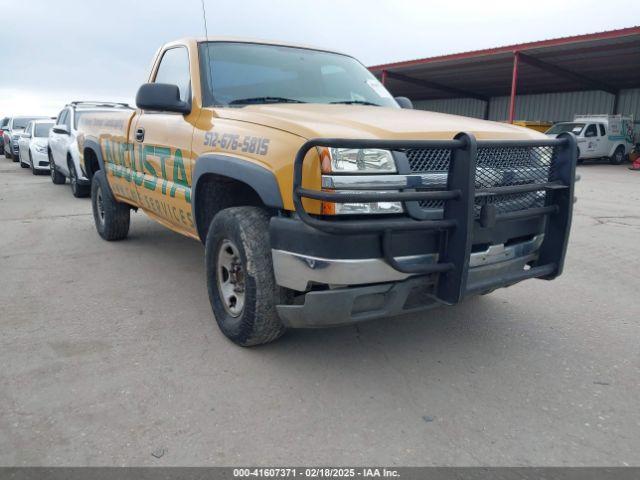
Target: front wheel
x: 618, y: 156
x: 78, y: 190
x: 112, y: 218
x: 240, y: 281
x: 56, y: 176
x: 33, y: 169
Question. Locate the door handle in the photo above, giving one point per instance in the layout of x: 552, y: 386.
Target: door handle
x: 140, y: 134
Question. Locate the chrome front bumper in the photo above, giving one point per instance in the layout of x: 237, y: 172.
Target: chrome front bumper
x: 298, y: 272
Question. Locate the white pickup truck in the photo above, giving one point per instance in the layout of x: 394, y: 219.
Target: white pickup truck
x: 599, y: 136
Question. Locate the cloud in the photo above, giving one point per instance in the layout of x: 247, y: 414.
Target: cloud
x: 55, y: 52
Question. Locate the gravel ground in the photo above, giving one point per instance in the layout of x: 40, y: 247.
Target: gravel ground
x: 110, y: 355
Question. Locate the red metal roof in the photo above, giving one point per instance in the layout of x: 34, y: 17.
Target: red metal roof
x: 513, y: 48
x: 610, y: 58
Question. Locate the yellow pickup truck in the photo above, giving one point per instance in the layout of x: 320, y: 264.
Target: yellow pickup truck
x: 320, y: 198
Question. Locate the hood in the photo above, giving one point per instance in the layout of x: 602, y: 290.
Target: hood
x: 367, y: 122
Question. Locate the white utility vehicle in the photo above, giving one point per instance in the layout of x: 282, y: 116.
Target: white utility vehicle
x: 599, y: 136
x: 33, y: 145
x: 63, y: 147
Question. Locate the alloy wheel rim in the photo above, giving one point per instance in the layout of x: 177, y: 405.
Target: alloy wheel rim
x: 100, y: 205
x: 72, y: 178
x: 230, y: 277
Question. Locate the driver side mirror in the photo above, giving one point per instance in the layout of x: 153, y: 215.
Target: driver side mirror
x: 161, y: 97
x: 61, y: 129
x: 404, y: 102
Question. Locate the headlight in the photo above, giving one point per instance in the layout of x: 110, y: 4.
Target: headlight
x: 41, y: 148
x: 362, y: 208
x: 360, y: 160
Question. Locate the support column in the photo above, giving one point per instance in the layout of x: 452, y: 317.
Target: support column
x: 514, y: 85
x: 384, y: 77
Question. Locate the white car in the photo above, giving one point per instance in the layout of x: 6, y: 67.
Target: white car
x: 33, y: 146
x: 14, y: 129
x: 64, y: 160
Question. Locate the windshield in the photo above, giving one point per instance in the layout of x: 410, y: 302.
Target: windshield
x: 20, y: 123
x: 575, y: 128
x: 42, y: 129
x: 238, y: 74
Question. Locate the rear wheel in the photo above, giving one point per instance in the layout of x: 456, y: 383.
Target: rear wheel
x: 56, y: 176
x: 78, y: 190
x: 618, y: 156
x: 242, y: 288
x: 112, y: 218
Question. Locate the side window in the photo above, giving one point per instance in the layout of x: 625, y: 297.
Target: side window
x: 603, y: 132
x: 67, y: 119
x: 591, y: 131
x: 174, y: 69
x: 62, y: 117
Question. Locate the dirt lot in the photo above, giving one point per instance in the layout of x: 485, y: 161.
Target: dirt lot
x: 110, y: 356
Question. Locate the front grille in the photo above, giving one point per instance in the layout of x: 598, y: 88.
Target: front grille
x: 495, y: 167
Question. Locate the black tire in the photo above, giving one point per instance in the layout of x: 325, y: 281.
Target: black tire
x: 23, y: 165
x: 7, y: 153
x: 618, y: 156
x: 257, y: 322
x: 79, y: 191
x: 112, y: 218
x: 33, y: 170
x: 56, y: 176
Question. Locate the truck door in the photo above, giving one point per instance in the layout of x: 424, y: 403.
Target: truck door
x: 603, y: 145
x: 162, y: 150
x: 591, y: 143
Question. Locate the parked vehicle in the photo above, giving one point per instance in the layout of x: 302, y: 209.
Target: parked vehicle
x: 33, y: 146
x: 599, y: 136
x: 3, y: 125
x: 16, y: 127
x: 63, y: 147
x: 320, y: 200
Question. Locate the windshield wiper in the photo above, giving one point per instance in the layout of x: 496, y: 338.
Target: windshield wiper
x: 356, y: 102
x: 254, y: 100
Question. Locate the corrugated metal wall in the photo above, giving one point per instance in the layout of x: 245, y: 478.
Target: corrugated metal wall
x: 469, y: 107
x: 629, y: 102
x: 552, y: 107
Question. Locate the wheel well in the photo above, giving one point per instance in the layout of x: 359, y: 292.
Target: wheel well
x: 91, y: 164
x: 217, y: 192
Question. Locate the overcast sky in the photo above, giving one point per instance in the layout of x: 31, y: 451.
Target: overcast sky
x: 56, y: 51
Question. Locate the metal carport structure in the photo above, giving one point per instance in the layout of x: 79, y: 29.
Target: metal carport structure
x: 606, y: 63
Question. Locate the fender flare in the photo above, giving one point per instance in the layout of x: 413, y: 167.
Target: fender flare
x: 263, y: 181
x: 93, y: 145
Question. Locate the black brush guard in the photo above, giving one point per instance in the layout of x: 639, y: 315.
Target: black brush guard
x: 456, y: 226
